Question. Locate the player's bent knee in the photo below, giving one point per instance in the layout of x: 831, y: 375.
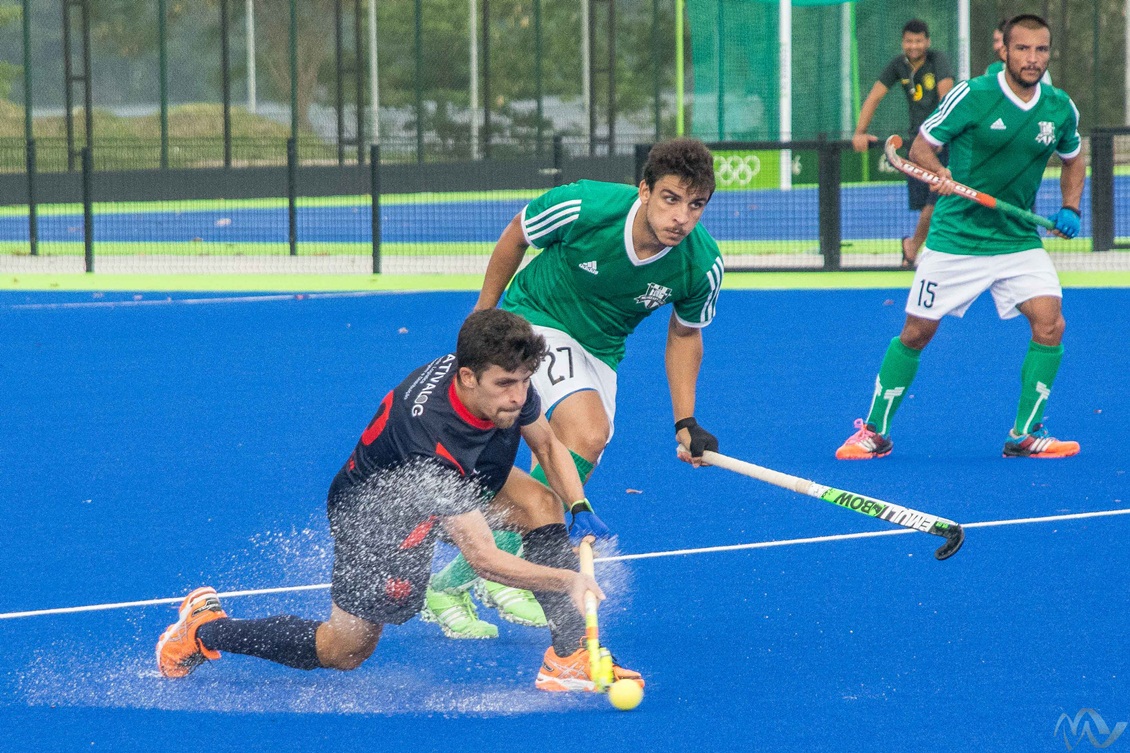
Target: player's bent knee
x: 345, y: 642
x: 542, y: 507
x: 590, y: 442
x: 345, y: 655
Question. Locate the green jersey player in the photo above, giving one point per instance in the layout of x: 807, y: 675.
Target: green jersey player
x: 611, y: 255
x: 1001, y: 131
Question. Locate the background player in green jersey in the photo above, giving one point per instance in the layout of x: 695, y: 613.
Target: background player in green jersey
x: 611, y: 255
x: 925, y: 76
x: 1001, y: 131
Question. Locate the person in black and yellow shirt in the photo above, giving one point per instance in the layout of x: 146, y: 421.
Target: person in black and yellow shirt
x: 925, y: 76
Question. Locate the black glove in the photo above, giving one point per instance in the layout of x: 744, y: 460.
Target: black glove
x: 701, y: 439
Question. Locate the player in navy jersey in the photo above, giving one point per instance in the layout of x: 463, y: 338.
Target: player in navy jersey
x: 439, y: 453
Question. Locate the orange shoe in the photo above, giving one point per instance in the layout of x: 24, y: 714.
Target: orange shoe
x: 865, y: 444
x: 178, y: 650
x: 1037, y: 444
x: 563, y: 674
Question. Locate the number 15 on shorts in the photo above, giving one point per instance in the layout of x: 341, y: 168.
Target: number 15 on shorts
x: 926, y: 293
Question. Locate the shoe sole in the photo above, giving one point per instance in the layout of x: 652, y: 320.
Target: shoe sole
x: 868, y: 456
x: 426, y: 615
x: 1041, y: 455
x: 558, y: 685
x: 485, y: 599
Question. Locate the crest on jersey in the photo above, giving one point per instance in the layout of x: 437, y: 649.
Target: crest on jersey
x: 655, y: 296
x: 929, y: 82
x: 1046, y: 136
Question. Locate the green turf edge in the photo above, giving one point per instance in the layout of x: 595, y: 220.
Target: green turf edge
x: 314, y: 283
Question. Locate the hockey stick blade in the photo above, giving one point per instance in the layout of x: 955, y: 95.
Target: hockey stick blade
x: 874, y: 508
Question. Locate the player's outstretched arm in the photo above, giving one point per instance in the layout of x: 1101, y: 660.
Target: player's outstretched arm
x: 862, y: 140
x: 503, y: 264
x: 683, y: 359
x: 1071, y: 180
x: 1068, y: 221
x: 472, y: 535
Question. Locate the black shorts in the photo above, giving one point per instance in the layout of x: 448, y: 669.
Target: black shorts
x: 918, y: 193
x: 382, y: 563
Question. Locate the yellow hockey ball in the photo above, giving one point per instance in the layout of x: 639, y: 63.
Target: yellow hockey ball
x: 625, y: 694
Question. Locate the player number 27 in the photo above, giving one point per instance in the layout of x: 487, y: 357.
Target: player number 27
x: 926, y: 293
x: 553, y: 362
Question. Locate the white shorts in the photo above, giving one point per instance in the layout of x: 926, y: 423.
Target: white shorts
x: 569, y: 368
x: 949, y: 283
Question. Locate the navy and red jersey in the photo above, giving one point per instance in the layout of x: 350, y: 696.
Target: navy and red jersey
x: 421, y: 427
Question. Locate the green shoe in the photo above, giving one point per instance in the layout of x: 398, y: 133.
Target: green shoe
x: 513, y: 604
x: 455, y: 614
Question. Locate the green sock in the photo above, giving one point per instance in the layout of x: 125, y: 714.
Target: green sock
x: 900, y: 364
x: 458, y: 573
x: 584, y: 468
x: 1036, y: 377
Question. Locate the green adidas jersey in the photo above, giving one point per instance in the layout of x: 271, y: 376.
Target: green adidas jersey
x: 998, y: 144
x: 588, y: 280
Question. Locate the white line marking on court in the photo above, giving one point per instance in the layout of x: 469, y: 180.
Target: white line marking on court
x: 201, y: 301
x: 617, y: 558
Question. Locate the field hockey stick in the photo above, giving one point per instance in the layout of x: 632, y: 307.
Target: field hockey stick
x: 597, y: 668
x: 875, y: 508
x: 924, y: 175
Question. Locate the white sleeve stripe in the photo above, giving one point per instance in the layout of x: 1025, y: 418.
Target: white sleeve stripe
x: 693, y: 325
x: 929, y: 139
x: 534, y: 220
x: 1074, y: 152
x: 534, y: 227
x: 956, y: 95
x: 546, y: 231
x: 550, y: 223
x: 714, y: 277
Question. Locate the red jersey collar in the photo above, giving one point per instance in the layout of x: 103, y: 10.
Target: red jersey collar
x: 461, y: 410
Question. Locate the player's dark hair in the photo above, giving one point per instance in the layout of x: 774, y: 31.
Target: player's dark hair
x: 1026, y: 21
x: 916, y: 26
x: 1002, y: 24
x: 494, y: 337
x: 687, y: 159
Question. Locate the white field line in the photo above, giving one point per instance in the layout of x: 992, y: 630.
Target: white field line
x: 617, y: 558
x: 168, y: 301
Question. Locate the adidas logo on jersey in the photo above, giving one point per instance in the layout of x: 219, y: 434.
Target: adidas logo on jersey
x: 588, y: 266
x: 998, y: 125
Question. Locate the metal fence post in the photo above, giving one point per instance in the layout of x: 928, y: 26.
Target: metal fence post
x: 225, y: 79
x: 828, y: 198
x: 1102, y: 190
x: 375, y: 193
x: 88, y: 206
x: 32, y: 200
x: 291, y: 194
x: 641, y: 160
x: 558, y: 158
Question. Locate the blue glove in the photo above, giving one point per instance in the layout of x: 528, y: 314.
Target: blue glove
x: 1067, y: 221
x: 585, y: 523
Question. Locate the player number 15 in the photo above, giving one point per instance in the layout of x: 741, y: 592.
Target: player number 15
x: 926, y: 293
